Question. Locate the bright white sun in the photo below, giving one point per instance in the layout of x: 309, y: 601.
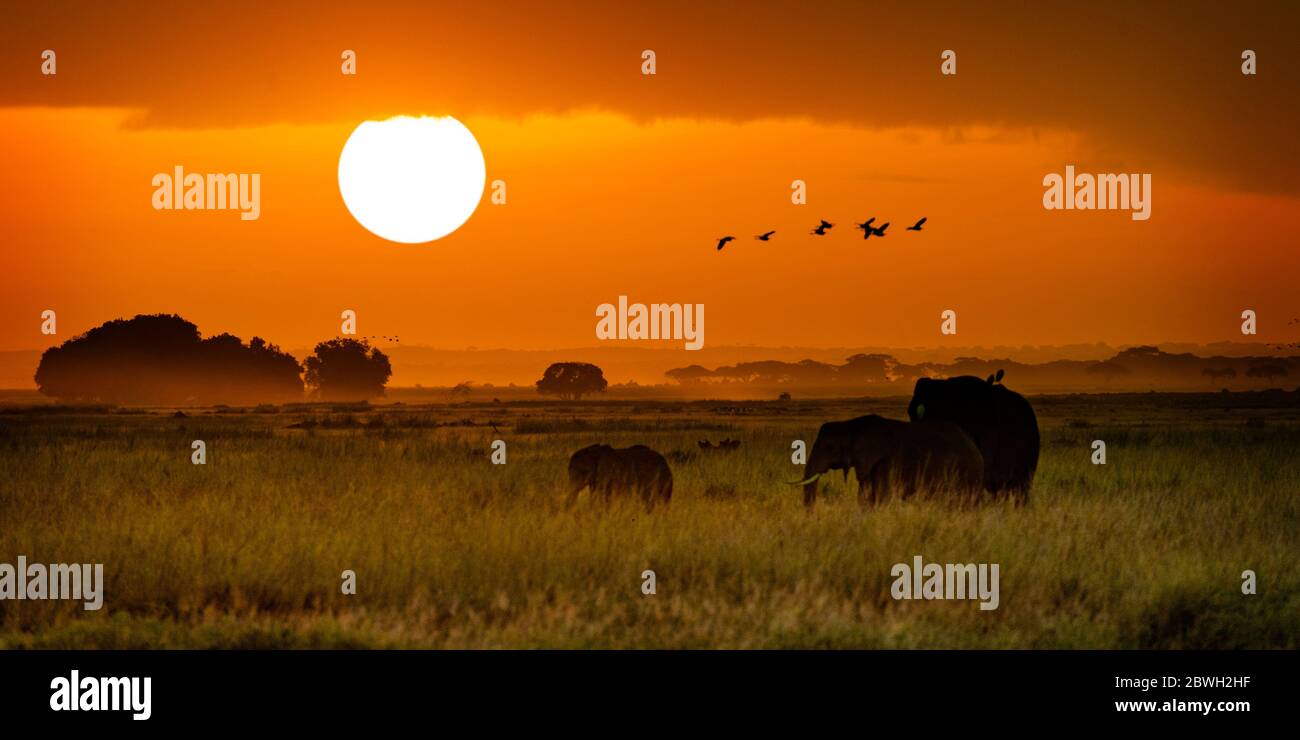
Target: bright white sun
x: 411, y: 180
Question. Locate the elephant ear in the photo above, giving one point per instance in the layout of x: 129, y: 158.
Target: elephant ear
x: 1001, y: 372
x: 920, y: 411
x: 990, y: 380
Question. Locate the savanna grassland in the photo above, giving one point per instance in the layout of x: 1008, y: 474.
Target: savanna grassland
x: 452, y: 551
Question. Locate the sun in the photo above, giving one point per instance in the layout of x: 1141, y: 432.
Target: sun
x: 411, y: 180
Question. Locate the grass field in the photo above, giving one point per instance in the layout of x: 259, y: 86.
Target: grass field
x: 452, y: 551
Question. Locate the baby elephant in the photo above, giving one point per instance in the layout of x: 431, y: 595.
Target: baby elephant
x: 608, y: 470
x: 880, y: 451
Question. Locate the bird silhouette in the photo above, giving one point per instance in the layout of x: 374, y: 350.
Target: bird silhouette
x: 821, y: 229
x: 881, y: 231
x: 765, y: 236
x: 866, y: 227
x: 917, y: 227
x: 723, y: 241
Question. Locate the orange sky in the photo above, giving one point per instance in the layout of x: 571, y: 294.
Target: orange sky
x: 619, y: 184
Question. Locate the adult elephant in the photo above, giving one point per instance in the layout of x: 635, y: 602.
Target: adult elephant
x: 881, y: 452
x: 609, y: 470
x: 1001, y: 422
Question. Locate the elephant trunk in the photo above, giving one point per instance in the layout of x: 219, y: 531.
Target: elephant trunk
x: 579, y: 480
x: 818, y: 464
x: 810, y: 492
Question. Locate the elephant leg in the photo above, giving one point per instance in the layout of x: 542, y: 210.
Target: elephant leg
x: 661, y: 493
x: 866, y: 487
x: 1020, y: 495
x: 648, y: 497
x: 601, y: 490
x: 909, y: 484
x: 880, y: 482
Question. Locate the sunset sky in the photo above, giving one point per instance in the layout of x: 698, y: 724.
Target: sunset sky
x: 620, y: 183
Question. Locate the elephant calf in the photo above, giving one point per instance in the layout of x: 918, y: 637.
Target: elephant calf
x: 932, y: 456
x: 608, y: 470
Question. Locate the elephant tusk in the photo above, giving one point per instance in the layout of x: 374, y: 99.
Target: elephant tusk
x: 810, y: 479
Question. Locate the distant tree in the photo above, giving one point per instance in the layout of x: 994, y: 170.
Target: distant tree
x: 572, y: 380
x: 161, y: 358
x: 689, y: 374
x: 347, y: 370
x: 258, y: 371
x: 867, y: 368
x: 783, y: 397
x: 460, y: 390
x: 774, y: 372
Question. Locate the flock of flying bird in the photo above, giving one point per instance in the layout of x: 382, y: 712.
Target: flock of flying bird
x: 868, y: 230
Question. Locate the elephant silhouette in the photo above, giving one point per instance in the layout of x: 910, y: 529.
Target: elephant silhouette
x: 1001, y: 422
x: 609, y: 470
x: 884, y: 452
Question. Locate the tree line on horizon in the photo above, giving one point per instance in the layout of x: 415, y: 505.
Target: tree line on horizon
x: 162, y: 358
x: 1136, y: 366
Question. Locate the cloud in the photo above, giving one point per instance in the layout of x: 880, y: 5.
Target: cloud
x: 1155, y: 86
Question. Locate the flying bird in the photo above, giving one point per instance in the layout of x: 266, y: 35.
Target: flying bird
x: 881, y: 231
x: 821, y: 230
x: 765, y: 236
x: 723, y: 241
x: 918, y: 225
x: 867, y: 230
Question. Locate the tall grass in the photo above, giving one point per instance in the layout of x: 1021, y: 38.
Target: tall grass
x: 452, y: 551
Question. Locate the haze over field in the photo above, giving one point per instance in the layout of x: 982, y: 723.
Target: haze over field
x: 758, y: 372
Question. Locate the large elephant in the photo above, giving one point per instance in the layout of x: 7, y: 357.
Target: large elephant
x: 1001, y: 422
x: 608, y: 470
x: 880, y: 451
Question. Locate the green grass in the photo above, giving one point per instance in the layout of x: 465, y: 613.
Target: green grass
x: 451, y: 551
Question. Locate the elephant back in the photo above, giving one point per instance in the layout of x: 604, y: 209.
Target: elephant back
x: 1001, y: 422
